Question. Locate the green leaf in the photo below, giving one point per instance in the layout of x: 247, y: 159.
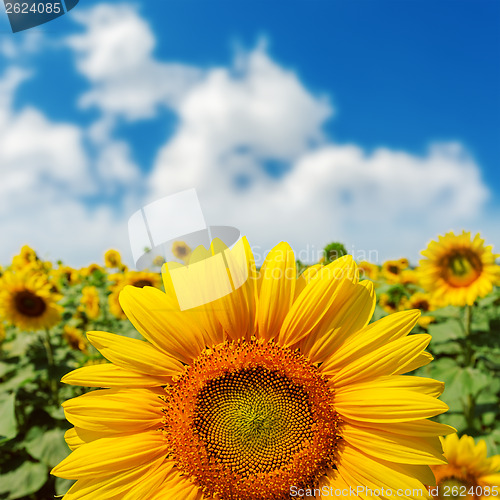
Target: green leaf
x: 6, y: 368
x: 446, y: 312
x: 48, y: 446
x: 24, y: 480
x: 443, y: 332
x: 445, y: 348
x: 63, y: 485
x: 25, y: 375
x: 456, y: 420
x: 8, y: 424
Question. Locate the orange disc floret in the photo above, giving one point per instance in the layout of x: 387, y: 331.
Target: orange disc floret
x: 248, y: 419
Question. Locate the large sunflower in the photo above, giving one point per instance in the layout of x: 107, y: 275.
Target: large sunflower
x: 28, y: 301
x: 277, y: 387
x: 458, y: 269
x: 469, y: 474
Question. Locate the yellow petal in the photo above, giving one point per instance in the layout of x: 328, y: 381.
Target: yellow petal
x: 304, y: 278
x: 277, y: 290
x: 418, y: 428
x: 236, y: 311
x: 319, y: 301
x: 130, y: 484
x: 395, y: 447
x: 372, y: 337
x: 155, y: 316
x: 357, y: 469
x: 109, y: 375
x: 178, y: 487
x: 350, y: 316
x: 76, y: 437
x: 116, y: 410
x: 423, y: 385
x: 108, y: 456
x: 387, y: 405
x: 135, y: 355
x: 220, y: 290
x: 385, y: 360
x: 424, y: 358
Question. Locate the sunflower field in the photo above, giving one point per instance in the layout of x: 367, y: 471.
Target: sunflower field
x: 447, y: 307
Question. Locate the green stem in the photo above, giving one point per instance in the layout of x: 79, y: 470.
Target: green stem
x: 50, y: 358
x: 468, y: 319
x: 470, y: 406
x: 470, y: 410
x: 467, y: 328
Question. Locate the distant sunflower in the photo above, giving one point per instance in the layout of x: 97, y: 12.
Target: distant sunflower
x: 181, y: 250
x: 75, y: 338
x: 89, y: 303
x: 422, y: 301
x: 368, y: 270
x: 457, y: 269
x: 409, y: 277
x: 112, y: 258
x: 392, y: 269
x: 268, y: 387
x: 138, y: 279
x: 88, y: 271
x: 28, y: 301
x: 26, y: 257
x: 65, y: 275
x: 469, y: 471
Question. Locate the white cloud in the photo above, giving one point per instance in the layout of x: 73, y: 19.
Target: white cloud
x: 35, y: 152
x: 46, y: 171
x: 236, y: 118
x: 19, y: 45
x: 232, y: 122
x: 115, y: 53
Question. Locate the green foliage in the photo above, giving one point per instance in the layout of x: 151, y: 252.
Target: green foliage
x: 32, y: 421
x: 334, y: 251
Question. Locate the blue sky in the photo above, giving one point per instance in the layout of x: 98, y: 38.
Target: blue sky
x: 374, y: 123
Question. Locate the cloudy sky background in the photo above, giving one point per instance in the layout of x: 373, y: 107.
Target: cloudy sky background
x: 372, y: 123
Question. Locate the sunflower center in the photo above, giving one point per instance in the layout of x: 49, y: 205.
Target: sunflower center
x: 257, y: 417
x: 29, y: 304
x: 423, y: 305
x: 142, y: 283
x: 454, y: 488
x: 462, y: 268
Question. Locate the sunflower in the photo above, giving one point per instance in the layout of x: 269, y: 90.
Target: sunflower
x: 278, y: 384
x: 89, y: 303
x: 422, y: 301
x: 392, y: 269
x: 457, y: 269
x: 368, y: 270
x: 75, y: 338
x: 181, y: 250
x: 28, y: 301
x: 112, y: 258
x: 409, y: 277
x: 2, y: 332
x: 26, y: 257
x: 393, y: 301
x: 65, y: 275
x: 138, y: 279
x: 469, y: 474
x: 88, y: 271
